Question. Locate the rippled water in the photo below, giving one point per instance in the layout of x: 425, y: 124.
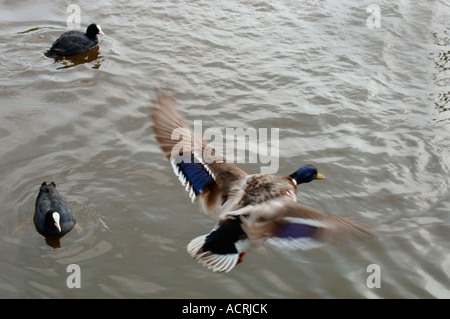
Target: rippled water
x: 368, y: 106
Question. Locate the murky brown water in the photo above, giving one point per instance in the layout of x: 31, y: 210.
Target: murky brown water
x: 369, y: 107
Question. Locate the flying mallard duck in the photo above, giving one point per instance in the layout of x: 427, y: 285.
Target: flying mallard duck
x: 251, y: 208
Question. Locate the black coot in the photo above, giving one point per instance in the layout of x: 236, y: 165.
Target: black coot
x: 75, y: 42
x: 53, y: 216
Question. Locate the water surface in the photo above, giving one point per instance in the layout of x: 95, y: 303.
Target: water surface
x: 368, y: 107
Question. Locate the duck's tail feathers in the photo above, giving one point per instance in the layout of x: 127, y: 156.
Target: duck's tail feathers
x: 215, y: 262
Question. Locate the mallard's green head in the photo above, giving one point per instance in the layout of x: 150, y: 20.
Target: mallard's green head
x: 306, y: 174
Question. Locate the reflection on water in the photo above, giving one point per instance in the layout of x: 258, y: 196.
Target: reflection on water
x: 53, y: 242
x: 361, y: 104
x: 85, y: 57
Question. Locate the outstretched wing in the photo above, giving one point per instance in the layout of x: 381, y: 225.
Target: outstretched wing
x: 224, y: 247
x: 203, y: 172
x: 291, y: 225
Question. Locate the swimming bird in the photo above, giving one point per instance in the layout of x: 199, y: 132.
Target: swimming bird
x: 75, y: 42
x: 52, y: 217
x: 251, y: 208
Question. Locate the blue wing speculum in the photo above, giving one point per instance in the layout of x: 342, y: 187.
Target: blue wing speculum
x: 297, y: 233
x: 195, y: 175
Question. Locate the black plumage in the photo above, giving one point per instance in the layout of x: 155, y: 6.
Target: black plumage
x: 223, y: 238
x: 75, y: 42
x: 52, y: 217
